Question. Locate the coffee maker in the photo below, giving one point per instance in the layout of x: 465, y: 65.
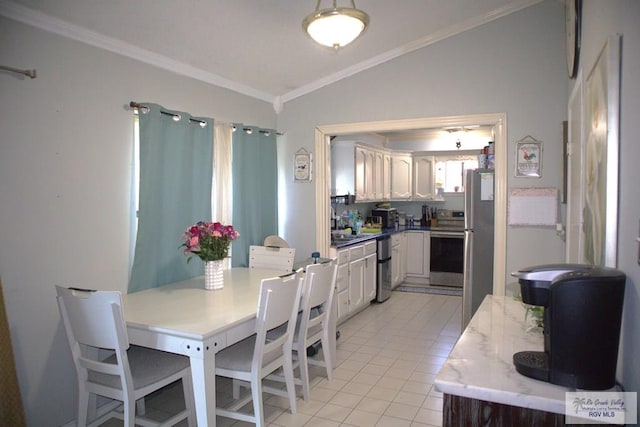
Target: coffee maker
x: 582, y: 317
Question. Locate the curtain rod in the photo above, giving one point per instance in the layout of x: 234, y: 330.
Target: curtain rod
x: 262, y: 131
x: 134, y: 104
x: 28, y: 73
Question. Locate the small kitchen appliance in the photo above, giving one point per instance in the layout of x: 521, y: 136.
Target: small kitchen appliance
x: 582, y: 317
x: 389, y: 216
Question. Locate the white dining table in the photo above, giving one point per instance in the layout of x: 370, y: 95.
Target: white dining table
x: 186, y: 319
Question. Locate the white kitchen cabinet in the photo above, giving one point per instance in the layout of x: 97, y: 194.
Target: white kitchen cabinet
x: 355, y: 278
x: 370, y: 271
x: 361, y: 170
x: 356, y: 284
x: 361, y: 157
x: 423, y: 177
x: 342, y: 288
x: 398, y: 258
x: 386, y: 176
x: 378, y: 175
x: 401, y: 176
x: 418, y: 256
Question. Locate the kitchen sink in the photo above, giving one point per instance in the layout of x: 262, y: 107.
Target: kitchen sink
x: 343, y: 237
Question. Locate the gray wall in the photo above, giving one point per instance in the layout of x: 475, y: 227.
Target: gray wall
x: 601, y: 19
x: 513, y: 65
x: 65, y: 160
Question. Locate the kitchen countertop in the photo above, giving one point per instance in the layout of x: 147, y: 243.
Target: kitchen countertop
x: 386, y: 232
x: 480, y: 365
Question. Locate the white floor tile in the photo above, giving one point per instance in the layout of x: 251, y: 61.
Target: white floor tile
x: 362, y: 418
x: 370, y: 404
x: 333, y: 412
x: 400, y: 410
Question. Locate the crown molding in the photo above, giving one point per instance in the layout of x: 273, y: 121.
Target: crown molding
x: 410, y: 47
x: 57, y: 26
x: 54, y: 25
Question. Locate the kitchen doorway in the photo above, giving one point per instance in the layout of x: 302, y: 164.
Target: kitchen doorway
x: 324, y: 133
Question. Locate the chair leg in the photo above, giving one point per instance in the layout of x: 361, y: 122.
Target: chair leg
x: 289, y: 381
x: 236, y: 389
x: 303, y: 365
x: 129, y: 413
x: 189, y: 402
x: 256, y: 394
x: 328, y: 357
x: 141, y: 406
x: 83, y: 407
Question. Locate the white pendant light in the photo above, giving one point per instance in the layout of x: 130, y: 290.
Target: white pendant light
x: 335, y: 27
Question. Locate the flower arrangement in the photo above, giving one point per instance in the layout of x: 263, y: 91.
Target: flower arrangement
x: 208, y: 240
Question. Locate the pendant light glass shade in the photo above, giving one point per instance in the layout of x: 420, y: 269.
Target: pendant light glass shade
x: 335, y: 27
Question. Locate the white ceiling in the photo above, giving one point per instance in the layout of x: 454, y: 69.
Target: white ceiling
x: 254, y: 47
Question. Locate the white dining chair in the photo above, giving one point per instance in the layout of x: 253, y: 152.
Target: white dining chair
x: 107, y: 365
x: 254, y: 358
x: 280, y: 259
x: 313, y: 323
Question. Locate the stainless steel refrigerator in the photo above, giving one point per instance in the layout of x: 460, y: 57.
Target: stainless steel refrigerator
x: 478, y: 242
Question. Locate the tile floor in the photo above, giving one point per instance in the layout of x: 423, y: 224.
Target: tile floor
x: 387, y: 358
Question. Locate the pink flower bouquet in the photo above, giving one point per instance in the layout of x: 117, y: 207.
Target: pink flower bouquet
x: 208, y: 240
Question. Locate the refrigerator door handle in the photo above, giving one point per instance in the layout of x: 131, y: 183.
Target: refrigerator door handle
x: 468, y: 199
x: 467, y: 287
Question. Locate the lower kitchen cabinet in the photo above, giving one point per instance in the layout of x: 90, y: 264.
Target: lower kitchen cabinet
x: 418, y: 256
x: 342, y: 288
x: 398, y: 258
x: 370, y: 272
x: 356, y: 278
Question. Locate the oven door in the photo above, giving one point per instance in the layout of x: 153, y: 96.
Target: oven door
x: 447, y: 258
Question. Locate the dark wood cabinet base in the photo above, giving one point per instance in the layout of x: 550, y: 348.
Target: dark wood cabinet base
x: 464, y: 411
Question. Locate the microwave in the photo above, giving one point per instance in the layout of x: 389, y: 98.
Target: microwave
x: 389, y: 216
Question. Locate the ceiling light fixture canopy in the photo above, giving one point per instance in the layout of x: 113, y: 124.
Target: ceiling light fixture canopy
x: 335, y: 27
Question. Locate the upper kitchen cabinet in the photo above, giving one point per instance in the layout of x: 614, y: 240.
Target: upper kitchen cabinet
x: 361, y: 170
x: 401, y: 176
x: 364, y: 174
x: 371, y: 182
x: 385, y: 181
x: 423, y: 182
x: 343, y: 168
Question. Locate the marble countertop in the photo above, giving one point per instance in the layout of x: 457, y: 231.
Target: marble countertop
x: 480, y: 365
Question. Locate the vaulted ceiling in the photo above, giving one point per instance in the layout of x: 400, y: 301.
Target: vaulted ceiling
x: 255, y: 47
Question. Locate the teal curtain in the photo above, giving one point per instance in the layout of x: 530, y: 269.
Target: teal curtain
x: 255, y: 189
x: 176, y: 162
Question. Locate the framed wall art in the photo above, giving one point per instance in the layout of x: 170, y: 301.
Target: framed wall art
x: 529, y: 158
x: 302, y: 166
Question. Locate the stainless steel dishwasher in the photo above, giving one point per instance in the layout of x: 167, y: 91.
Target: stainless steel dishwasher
x: 383, y: 285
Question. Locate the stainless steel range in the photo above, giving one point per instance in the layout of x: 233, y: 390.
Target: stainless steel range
x: 447, y: 249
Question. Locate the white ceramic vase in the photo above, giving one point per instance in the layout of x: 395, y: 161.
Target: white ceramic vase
x: 213, y: 275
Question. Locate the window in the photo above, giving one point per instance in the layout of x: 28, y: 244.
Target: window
x: 450, y: 171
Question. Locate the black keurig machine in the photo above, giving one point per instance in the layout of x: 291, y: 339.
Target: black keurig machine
x: 582, y: 317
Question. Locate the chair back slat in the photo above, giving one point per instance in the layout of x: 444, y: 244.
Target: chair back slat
x: 273, y: 258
